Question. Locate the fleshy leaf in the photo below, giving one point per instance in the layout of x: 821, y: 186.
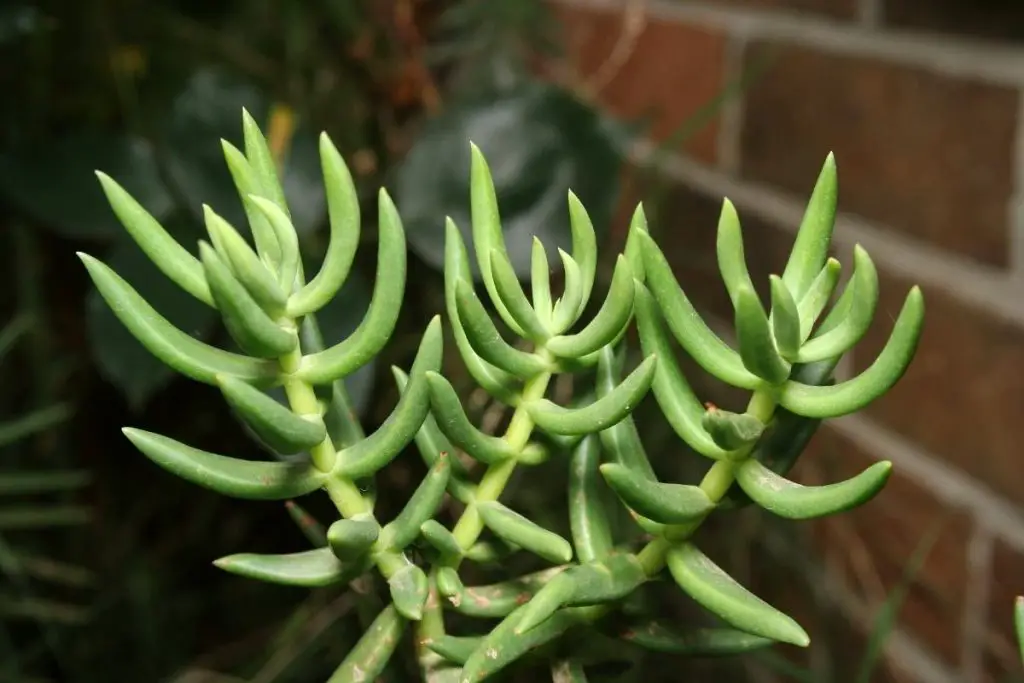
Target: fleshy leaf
x: 229, y: 476
x: 793, y: 501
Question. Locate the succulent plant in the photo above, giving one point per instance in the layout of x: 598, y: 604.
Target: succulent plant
x: 785, y: 357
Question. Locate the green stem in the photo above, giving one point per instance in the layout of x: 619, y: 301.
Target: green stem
x: 497, y: 476
x: 716, y: 483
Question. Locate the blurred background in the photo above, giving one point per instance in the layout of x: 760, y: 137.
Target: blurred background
x: 105, y: 561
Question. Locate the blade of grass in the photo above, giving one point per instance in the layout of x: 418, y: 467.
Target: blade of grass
x: 33, y: 423
x: 31, y: 483
x: 888, y: 613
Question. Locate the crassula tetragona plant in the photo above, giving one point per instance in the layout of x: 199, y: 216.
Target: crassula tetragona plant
x: 579, y: 611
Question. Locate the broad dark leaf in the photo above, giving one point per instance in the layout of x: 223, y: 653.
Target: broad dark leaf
x: 55, y: 183
x: 539, y: 141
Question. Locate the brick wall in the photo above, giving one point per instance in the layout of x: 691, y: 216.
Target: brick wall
x: 921, y: 103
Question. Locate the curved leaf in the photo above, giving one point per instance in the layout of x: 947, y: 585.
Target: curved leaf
x: 523, y: 532
x: 686, y: 325
x: 310, y: 568
x: 343, y: 212
x: 607, y: 323
x: 229, y: 476
x: 853, y: 394
x: 602, y: 413
x: 663, y: 503
x: 187, y: 355
x: 720, y: 594
x: 793, y: 501
x: 377, y: 450
x: 379, y: 323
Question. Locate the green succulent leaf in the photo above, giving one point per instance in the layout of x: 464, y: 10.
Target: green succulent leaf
x: 504, y: 646
x: 487, y: 341
x: 633, y: 251
x: 853, y: 394
x: 248, y: 324
x: 613, y: 316
x: 248, y: 183
x: 245, y: 264
x: 173, y: 260
x: 540, y: 281
x: 589, y: 517
x: 487, y: 234
x: 661, y: 636
x: 455, y: 649
x: 287, y: 239
x: 377, y: 450
x: 680, y: 406
x: 584, y: 247
x: 686, y: 325
x: 119, y: 355
x: 757, y: 345
x: 663, y: 503
x: 379, y: 323
x: 720, y: 594
x: 810, y: 250
x: 421, y: 506
x: 409, y: 586
x: 523, y: 532
x: 344, y: 215
x: 454, y: 424
x: 602, y: 413
x: 732, y: 262
x: 184, y: 353
x: 368, y: 659
x: 230, y: 476
x: 568, y: 306
x: 351, y: 539
x: 276, y: 425
x: 621, y: 441
x: 498, y: 600
x: 545, y: 603
x: 785, y: 319
x: 793, y: 501
x: 440, y: 538
x: 732, y: 431
x: 431, y: 443
x: 863, y: 302
x: 309, y: 568
x: 493, y: 380
x: 257, y: 153
x: 817, y: 297
x: 514, y: 298
x: 448, y: 582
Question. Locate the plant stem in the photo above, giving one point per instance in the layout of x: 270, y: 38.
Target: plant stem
x: 303, y: 401
x: 497, y: 476
x: 716, y: 483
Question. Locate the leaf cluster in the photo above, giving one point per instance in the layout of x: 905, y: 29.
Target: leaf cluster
x: 785, y: 357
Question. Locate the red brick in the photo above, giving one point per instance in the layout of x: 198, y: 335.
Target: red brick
x: 672, y: 71
x: 871, y: 547
x: 963, y: 393
x: 1003, y: 661
x: 927, y: 155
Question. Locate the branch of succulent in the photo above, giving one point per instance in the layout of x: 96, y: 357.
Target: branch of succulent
x: 785, y: 358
